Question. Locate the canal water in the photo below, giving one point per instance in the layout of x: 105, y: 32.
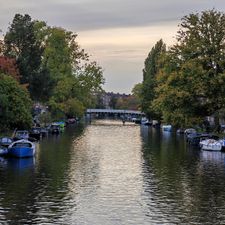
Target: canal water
x: 108, y: 174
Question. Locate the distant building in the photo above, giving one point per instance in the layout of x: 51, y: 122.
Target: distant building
x: 109, y: 100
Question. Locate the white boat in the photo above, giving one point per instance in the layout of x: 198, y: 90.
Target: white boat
x: 167, y: 128
x: 5, y: 141
x: 145, y: 121
x: 21, y: 134
x: 211, y: 145
x: 190, y: 131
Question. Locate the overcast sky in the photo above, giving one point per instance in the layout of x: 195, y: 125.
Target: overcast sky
x: 118, y: 34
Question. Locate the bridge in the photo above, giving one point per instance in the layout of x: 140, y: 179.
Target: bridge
x: 115, y: 112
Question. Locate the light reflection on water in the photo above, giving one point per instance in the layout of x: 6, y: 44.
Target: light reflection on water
x: 107, y: 173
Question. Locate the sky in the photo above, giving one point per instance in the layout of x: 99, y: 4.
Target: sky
x: 118, y: 34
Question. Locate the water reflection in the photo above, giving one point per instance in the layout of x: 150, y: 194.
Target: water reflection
x: 20, y: 165
x: 107, y: 173
x: 186, y: 185
x: 213, y: 157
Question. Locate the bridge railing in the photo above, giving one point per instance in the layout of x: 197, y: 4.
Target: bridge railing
x: 114, y: 111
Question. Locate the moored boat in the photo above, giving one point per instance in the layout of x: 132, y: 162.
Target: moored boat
x: 21, y: 149
x: 5, y: 141
x: 211, y: 145
x: 145, y: 121
x: 190, y: 131
x: 55, y: 128
x: 71, y: 121
x: 44, y: 132
x: 167, y: 128
x: 62, y: 125
x: 21, y: 134
x: 195, y: 138
x: 180, y: 131
x: 35, y: 132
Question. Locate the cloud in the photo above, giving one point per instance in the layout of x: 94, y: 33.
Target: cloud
x: 117, y: 33
x: 122, y: 51
x: 99, y: 14
x: 80, y: 15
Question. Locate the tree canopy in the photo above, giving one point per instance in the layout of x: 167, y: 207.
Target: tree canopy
x: 186, y: 83
x: 15, y: 108
x: 52, y: 65
x: 195, y: 76
x: 20, y: 42
x: 149, y: 78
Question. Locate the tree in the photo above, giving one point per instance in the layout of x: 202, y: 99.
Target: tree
x: 15, y: 108
x: 64, y: 60
x: 113, y: 102
x: 99, y: 99
x: 8, y: 66
x: 137, y: 94
x: 73, y: 94
x: 57, y: 54
x: 149, y: 78
x: 192, y: 81
x: 21, y: 43
x: 127, y: 102
x: 174, y: 100
x: 53, y: 65
x: 89, y: 81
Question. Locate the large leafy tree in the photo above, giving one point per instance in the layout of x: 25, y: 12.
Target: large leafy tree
x: 75, y: 79
x: 15, y: 108
x: 41, y: 85
x: 21, y: 43
x: 149, y: 78
x: 73, y: 94
x: 178, y: 105
x: 89, y: 80
x: 192, y: 82
x: 71, y: 70
x: 51, y: 63
x: 57, y: 57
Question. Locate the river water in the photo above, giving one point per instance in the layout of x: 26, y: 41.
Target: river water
x: 108, y: 174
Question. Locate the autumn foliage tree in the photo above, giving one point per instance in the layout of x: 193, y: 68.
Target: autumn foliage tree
x: 8, y: 66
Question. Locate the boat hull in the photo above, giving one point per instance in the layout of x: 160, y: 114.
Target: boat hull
x: 21, y: 152
x: 211, y: 145
x: 211, y: 148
